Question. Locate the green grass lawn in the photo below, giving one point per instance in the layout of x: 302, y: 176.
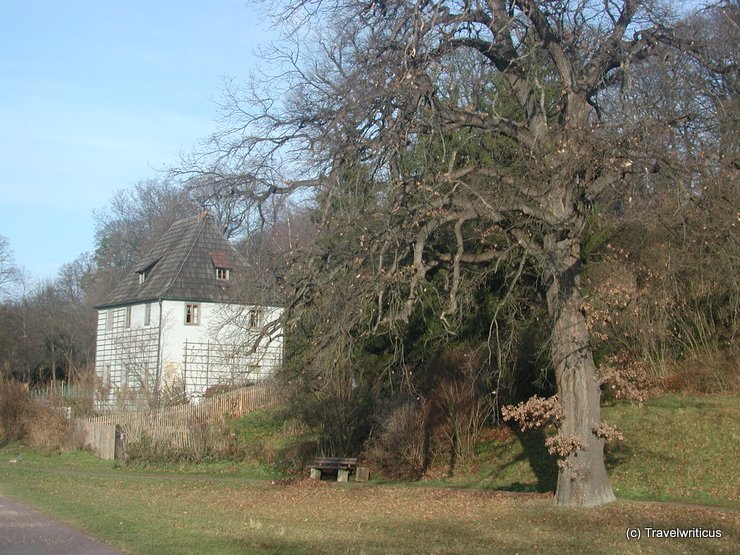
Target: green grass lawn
x: 678, y: 447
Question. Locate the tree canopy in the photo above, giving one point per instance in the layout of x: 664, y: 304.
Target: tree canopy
x: 450, y: 145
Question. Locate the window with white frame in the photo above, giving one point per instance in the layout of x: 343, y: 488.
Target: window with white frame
x: 221, y: 263
x: 192, y: 314
x: 255, y: 318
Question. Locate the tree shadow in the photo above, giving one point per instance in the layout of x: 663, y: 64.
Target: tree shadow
x: 534, y: 453
x: 616, y: 454
x: 543, y: 464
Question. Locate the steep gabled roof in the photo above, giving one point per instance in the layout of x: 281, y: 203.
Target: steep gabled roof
x: 182, y: 266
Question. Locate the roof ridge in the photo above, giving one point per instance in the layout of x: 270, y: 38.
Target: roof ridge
x: 187, y: 255
x: 185, y: 269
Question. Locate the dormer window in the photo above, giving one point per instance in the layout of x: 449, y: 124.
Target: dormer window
x: 221, y: 264
x: 145, y: 268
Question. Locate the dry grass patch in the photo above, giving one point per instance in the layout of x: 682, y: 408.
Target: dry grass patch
x: 171, y: 513
x: 403, y: 520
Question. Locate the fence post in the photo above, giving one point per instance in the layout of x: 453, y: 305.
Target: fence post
x: 208, y: 365
x: 119, y: 452
x: 185, y: 369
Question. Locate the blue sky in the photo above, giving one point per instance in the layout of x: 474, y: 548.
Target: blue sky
x: 97, y: 95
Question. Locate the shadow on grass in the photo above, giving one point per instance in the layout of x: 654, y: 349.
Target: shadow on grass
x: 616, y: 455
x: 534, y: 453
x: 543, y: 464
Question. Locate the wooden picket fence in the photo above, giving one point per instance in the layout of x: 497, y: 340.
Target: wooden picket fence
x: 175, y: 427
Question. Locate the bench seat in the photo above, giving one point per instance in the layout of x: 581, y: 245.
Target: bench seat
x: 341, y: 465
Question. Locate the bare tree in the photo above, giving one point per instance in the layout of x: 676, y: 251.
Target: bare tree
x: 463, y: 138
x: 8, y: 270
x: 73, y: 286
x: 48, y: 327
x: 135, y: 219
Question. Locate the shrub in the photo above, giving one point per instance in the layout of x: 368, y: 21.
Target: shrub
x: 712, y: 372
x: 203, y: 442
x: 22, y: 418
x: 401, y: 447
x: 15, y: 409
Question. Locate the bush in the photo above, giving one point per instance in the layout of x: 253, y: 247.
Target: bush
x: 15, y: 408
x: 38, y: 425
x: 712, y: 372
x: 203, y: 442
x: 400, y: 448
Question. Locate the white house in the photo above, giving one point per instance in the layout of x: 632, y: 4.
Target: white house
x: 178, y: 324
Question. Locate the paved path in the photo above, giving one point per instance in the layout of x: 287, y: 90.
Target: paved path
x: 24, y: 531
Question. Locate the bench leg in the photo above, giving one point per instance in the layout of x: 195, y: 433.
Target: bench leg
x: 316, y: 474
x: 343, y: 476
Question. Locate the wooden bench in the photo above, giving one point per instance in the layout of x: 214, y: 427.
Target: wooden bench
x: 341, y: 465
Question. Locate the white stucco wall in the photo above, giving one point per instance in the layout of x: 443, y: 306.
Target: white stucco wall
x: 219, y: 348
x: 126, y: 351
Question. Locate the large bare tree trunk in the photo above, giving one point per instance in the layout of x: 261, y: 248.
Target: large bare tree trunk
x: 582, y: 479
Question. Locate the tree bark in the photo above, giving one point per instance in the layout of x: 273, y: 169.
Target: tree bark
x: 582, y: 479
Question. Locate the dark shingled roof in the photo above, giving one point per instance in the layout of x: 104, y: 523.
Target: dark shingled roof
x: 182, y: 266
